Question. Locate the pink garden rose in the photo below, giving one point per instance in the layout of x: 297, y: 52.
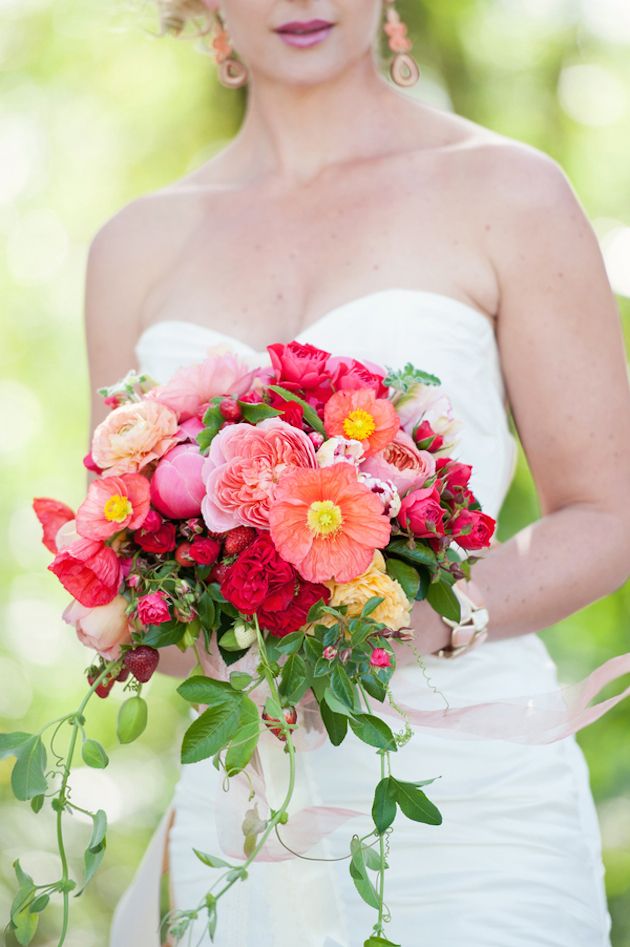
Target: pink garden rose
x: 177, y: 487
x: 402, y: 463
x: 422, y: 513
x: 103, y: 628
x: 112, y: 504
x: 133, y: 435
x: 153, y: 609
x: 242, y: 470
x: 299, y: 366
x: 192, y: 387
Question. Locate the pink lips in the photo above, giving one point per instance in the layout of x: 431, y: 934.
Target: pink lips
x: 304, y: 32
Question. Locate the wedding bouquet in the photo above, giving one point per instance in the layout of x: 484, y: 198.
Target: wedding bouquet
x: 293, y: 513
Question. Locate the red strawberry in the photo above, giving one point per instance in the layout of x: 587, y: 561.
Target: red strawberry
x: 182, y: 555
x: 238, y: 539
x: 142, y: 662
x: 230, y: 410
x: 106, y: 684
x: 123, y: 674
x: 290, y: 715
x: 218, y: 571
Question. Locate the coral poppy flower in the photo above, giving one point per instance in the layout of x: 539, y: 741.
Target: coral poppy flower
x: 89, y: 570
x: 112, y: 504
x: 327, y: 523
x: 52, y: 515
x: 360, y: 416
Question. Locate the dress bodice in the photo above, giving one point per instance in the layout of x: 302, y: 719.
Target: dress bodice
x: 437, y: 333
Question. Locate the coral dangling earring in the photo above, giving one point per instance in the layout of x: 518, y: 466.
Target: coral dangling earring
x: 232, y: 73
x: 403, y: 68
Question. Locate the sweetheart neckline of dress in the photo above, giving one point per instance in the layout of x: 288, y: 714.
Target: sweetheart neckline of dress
x: 442, y: 299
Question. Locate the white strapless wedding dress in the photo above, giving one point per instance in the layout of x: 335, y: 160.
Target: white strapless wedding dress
x: 517, y: 860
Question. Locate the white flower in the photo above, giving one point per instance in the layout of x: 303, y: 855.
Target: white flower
x: 339, y: 449
x: 386, y: 491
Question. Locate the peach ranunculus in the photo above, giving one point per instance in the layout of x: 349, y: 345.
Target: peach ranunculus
x: 402, y: 463
x: 103, y: 628
x: 359, y: 415
x: 395, y: 609
x: 112, y: 504
x: 133, y: 435
x: 193, y: 386
x: 242, y: 470
x: 327, y: 523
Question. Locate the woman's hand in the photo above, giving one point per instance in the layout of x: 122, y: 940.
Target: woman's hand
x: 430, y: 634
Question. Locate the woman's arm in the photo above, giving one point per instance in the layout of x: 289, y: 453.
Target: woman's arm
x: 123, y: 260
x: 566, y: 376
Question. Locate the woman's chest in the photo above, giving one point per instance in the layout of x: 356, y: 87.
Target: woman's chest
x: 258, y: 264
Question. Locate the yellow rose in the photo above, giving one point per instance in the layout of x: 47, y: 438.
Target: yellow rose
x: 395, y: 609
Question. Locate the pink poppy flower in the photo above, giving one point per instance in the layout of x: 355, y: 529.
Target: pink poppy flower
x: 52, y: 515
x: 359, y: 415
x: 326, y: 523
x: 243, y: 468
x: 112, y: 504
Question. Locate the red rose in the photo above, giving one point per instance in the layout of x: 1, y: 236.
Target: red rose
x: 89, y: 570
x: 452, y: 473
x: 155, y: 535
x: 283, y: 621
x: 292, y: 412
x: 478, y: 528
x: 298, y: 366
x: 204, y: 551
x: 259, y: 575
x: 52, y: 515
x: 421, y: 511
x: 348, y: 374
x: 426, y: 438
x: 153, y: 609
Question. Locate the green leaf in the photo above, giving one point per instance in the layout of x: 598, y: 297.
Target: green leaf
x: 371, y: 605
x: 245, y: 739
x: 206, y: 610
x: 205, y: 690
x: 336, y: 705
x: 384, y: 805
x: 161, y: 636
x: 28, y: 778
x: 425, y: 581
x: 364, y: 886
x: 92, y: 858
x: 211, y: 860
x: 213, y: 420
x: 93, y: 754
x: 373, y: 731
x: 379, y: 942
x: 99, y: 829
x: 290, y: 643
x: 315, y: 611
x: 418, y: 554
x: 132, y: 719
x: 414, y: 804
x: 25, y: 925
x: 405, y: 575
x: 257, y: 412
x: 310, y: 415
x: 40, y: 903
x: 336, y: 724
x: 409, y: 377
x: 37, y: 803
x: 343, y: 688
x: 12, y: 743
x: 294, y: 680
x: 442, y: 598
x: 239, y: 680
x: 210, y: 732
x: 374, y: 687
x: 372, y: 858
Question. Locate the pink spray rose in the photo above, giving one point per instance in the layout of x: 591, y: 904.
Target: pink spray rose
x: 402, y: 463
x: 242, y: 470
x: 132, y: 436
x: 380, y: 658
x: 103, y: 628
x: 191, y: 388
x: 153, y: 609
x: 177, y: 487
x: 422, y: 513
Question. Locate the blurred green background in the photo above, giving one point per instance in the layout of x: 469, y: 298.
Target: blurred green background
x: 96, y: 110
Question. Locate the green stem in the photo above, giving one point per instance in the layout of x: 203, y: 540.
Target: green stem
x: 286, y: 729
x: 74, y: 719
x: 381, y: 870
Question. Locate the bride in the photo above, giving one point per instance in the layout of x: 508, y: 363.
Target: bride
x: 348, y: 215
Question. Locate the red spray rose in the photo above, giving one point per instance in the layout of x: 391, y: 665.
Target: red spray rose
x: 153, y: 609
x: 156, y: 535
x: 421, y: 511
x: 89, y: 570
x: 480, y: 527
x: 204, y: 551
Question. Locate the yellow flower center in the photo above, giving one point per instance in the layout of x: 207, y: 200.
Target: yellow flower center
x: 359, y: 425
x: 324, y: 517
x: 117, y: 508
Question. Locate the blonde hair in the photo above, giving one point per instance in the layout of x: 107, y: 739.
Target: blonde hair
x: 175, y: 15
